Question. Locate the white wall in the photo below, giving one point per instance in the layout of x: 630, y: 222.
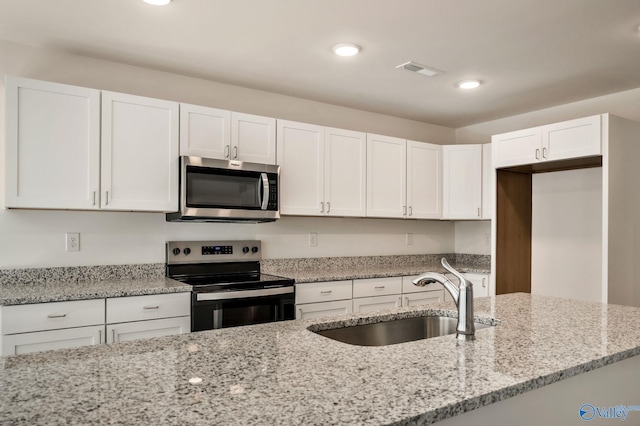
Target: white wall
x: 473, y: 237
x: 36, y: 238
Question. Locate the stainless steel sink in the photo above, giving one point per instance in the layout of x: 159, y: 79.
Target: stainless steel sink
x: 395, y: 331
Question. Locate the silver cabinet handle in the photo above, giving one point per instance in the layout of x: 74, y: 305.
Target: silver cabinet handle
x: 328, y: 206
x: 151, y: 307
x: 537, y: 153
x: 406, y: 301
x: 321, y: 207
x: 99, y: 336
x: 56, y: 315
x: 544, y: 152
x: 410, y: 211
x: 326, y: 291
x: 113, y: 335
x: 484, y: 282
x: 379, y: 287
x: 404, y: 210
x: 478, y: 211
x: 399, y: 302
x: 235, y: 152
x: 94, y: 198
x: 106, y: 197
x: 226, y: 151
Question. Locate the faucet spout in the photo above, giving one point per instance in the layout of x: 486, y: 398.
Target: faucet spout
x: 462, y: 296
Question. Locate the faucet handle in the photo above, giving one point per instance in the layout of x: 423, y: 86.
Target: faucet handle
x: 463, y: 281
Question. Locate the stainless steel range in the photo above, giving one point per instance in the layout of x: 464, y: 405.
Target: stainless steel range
x: 228, y: 287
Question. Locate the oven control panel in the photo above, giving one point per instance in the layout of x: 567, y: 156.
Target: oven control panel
x: 213, y: 251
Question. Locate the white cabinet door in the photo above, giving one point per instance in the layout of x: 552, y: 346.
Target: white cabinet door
x: 488, y: 182
x: 324, y: 309
x: 139, y: 153
x: 51, y: 316
x: 422, y: 298
x: 205, y: 132
x: 572, y: 139
x: 424, y: 180
x: 52, y: 145
x: 128, y: 331
x: 300, y: 151
x: 480, y: 284
x: 371, y: 304
x: 462, y: 182
x: 517, y: 148
x: 253, y: 138
x: 15, y: 344
x: 386, y: 176
x: 345, y: 173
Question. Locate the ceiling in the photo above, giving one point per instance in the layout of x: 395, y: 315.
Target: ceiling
x: 529, y: 54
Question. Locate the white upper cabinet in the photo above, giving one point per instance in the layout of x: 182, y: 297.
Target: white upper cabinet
x: 424, y: 180
x: 52, y: 146
x: 345, y: 174
x: 462, y: 181
x: 139, y: 153
x: 205, y: 132
x: 253, y: 138
x: 559, y: 141
x: 488, y: 182
x: 386, y: 176
x: 322, y: 170
x: 216, y: 133
x: 300, y: 149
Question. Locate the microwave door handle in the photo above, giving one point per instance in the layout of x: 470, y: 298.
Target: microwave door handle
x: 265, y: 191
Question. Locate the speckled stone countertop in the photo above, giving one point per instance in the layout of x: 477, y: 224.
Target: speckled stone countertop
x: 348, y: 268
x: 39, y: 285
x: 284, y: 374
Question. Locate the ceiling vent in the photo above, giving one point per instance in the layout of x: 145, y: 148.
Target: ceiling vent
x: 420, y: 69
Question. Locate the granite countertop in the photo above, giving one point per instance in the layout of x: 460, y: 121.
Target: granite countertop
x: 282, y: 373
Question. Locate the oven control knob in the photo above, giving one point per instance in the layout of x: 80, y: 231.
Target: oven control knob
x: 245, y: 249
x: 254, y: 249
x: 187, y: 251
x: 176, y: 251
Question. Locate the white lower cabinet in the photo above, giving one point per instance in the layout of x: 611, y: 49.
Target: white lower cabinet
x: 422, y: 298
x: 23, y: 343
x: 128, y: 331
x: 376, y: 303
x: 323, y: 309
x: 480, y: 284
x: 56, y: 325
x: 60, y: 325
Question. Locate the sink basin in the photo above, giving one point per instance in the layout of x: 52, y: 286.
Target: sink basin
x: 395, y: 331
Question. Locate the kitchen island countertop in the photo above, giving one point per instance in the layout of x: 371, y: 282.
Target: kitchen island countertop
x: 282, y: 373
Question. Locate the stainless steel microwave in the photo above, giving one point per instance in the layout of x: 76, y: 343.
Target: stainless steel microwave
x: 227, y: 191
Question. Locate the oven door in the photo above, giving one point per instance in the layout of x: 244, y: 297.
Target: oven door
x: 220, y: 310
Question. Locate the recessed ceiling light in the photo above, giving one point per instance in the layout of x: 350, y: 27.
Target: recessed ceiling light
x: 346, y: 49
x: 157, y: 2
x: 469, y: 84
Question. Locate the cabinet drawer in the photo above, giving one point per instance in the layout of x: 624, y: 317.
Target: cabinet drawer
x: 323, y: 292
x: 51, y: 316
x: 324, y: 309
x: 154, y: 306
x: 376, y: 303
x: 24, y: 343
x: 409, y: 287
x: 377, y: 287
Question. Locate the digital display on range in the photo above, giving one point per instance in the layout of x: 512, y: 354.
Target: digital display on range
x: 213, y: 250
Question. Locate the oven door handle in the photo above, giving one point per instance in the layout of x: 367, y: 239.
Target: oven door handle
x: 244, y: 294
x: 265, y: 191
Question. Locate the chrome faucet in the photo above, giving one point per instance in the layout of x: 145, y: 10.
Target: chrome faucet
x: 462, y: 296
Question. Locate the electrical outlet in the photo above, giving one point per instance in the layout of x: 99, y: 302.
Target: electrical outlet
x: 487, y: 240
x: 313, y: 239
x: 72, y: 241
x: 409, y: 239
